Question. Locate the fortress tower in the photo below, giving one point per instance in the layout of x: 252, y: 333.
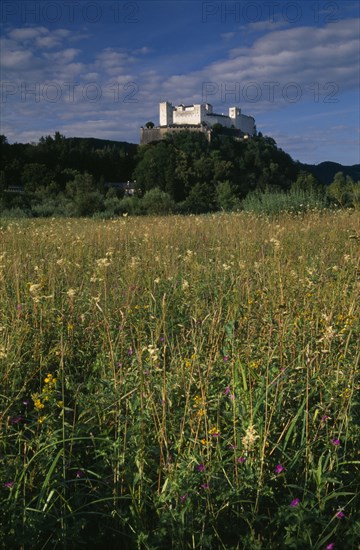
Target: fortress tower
x: 166, y: 113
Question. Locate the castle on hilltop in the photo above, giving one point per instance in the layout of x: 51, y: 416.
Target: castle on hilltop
x: 198, y: 118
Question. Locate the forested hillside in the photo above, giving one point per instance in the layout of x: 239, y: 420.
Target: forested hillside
x: 184, y: 173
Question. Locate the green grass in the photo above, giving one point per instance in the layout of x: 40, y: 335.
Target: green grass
x: 180, y: 382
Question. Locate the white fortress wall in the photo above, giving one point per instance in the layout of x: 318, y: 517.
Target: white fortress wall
x: 218, y: 119
x: 187, y: 115
x: 196, y: 114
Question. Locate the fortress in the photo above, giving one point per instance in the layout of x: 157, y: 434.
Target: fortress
x: 198, y: 118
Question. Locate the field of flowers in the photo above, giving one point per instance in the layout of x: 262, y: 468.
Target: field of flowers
x: 180, y: 382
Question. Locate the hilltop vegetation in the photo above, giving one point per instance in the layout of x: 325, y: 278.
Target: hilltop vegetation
x: 183, y: 174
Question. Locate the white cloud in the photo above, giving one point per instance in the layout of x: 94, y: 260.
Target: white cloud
x: 27, y: 33
x: 62, y: 57
x: 16, y: 60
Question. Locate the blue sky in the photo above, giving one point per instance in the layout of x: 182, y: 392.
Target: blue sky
x: 99, y: 68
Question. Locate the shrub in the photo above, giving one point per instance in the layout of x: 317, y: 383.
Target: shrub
x: 294, y: 201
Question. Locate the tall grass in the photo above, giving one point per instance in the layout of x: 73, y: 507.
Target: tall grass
x: 183, y: 382
x: 294, y: 201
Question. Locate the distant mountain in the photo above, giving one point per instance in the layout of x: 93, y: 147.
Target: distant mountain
x: 325, y: 171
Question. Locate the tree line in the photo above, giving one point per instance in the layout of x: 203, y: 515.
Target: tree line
x: 184, y: 173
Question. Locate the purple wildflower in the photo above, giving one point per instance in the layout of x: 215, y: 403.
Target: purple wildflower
x: 241, y: 459
x: 295, y: 502
x: 330, y: 546
x: 226, y: 358
x: 279, y: 468
x: 9, y: 484
x: 80, y: 474
x: 184, y: 497
x: 205, y: 486
x: 130, y: 352
x: 340, y: 514
x: 325, y: 418
x: 227, y: 390
x: 200, y: 468
x: 335, y: 441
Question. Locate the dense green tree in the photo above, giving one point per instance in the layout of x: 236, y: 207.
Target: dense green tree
x: 339, y: 189
x: 156, y: 201
x: 225, y: 196
x: 305, y: 182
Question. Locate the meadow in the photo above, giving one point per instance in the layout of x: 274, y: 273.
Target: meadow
x: 180, y: 382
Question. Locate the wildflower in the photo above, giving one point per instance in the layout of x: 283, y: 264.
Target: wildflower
x: 153, y: 352
x: 335, y: 441
x: 295, y: 502
x: 130, y: 352
x: 227, y: 390
x: 214, y: 432
x: 185, y: 285
x: 279, y: 468
x: 38, y: 405
x: 41, y: 419
x: 226, y: 358
x: 241, y: 459
x: 80, y: 474
x: 200, y: 468
x: 16, y: 420
x: 325, y: 418
x: 184, y: 497
x: 340, y: 514
x: 103, y: 262
x: 205, y: 486
x: 249, y: 438
x: 9, y: 484
x: 34, y: 288
x: 275, y: 242
x: 330, y: 546
x: 26, y: 402
x: 71, y: 293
